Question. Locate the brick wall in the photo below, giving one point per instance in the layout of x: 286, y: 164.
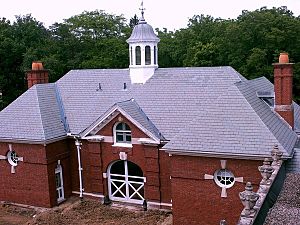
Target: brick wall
x: 58, y: 151
x: 34, y: 180
x: 283, y: 88
x: 29, y: 185
x: 96, y: 158
x: 197, y: 201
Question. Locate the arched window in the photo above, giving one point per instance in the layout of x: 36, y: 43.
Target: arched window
x: 131, y: 56
x: 155, y: 55
x: 126, y: 182
x: 122, y: 133
x: 147, y: 55
x: 137, y: 55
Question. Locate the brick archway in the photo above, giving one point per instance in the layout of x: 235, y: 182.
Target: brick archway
x: 126, y: 182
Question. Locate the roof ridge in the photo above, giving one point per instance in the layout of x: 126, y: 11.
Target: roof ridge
x: 60, y: 104
x: 260, y: 119
x: 35, y: 87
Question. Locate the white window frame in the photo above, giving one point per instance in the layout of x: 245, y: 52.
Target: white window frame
x: 59, y: 171
x: 219, y: 183
x: 121, y: 144
x: 12, y: 158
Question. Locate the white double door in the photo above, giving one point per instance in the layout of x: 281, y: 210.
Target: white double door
x: 126, y: 182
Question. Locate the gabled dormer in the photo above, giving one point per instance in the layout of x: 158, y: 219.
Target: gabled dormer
x: 125, y: 114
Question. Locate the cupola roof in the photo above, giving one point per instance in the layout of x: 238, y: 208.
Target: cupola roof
x: 143, y: 32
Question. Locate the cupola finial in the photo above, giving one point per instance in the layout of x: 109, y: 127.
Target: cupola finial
x: 142, y: 9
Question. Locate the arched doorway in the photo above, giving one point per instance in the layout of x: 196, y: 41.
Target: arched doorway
x: 126, y: 182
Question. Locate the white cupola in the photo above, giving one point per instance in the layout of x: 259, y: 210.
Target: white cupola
x: 142, y: 52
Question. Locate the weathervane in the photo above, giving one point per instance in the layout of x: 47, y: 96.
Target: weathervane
x: 142, y: 8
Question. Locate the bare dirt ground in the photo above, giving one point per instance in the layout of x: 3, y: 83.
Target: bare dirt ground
x: 84, y: 212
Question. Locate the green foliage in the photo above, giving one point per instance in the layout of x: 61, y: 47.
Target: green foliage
x: 250, y: 44
x: 17, y: 41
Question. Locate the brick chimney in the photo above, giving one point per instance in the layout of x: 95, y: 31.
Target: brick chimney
x: 37, y: 74
x: 283, y: 88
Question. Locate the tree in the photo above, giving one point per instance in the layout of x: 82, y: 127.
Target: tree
x: 133, y: 21
x: 18, y: 40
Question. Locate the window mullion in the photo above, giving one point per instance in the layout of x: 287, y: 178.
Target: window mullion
x: 126, y: 179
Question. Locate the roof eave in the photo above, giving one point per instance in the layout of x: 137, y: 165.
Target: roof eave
x: 220, y: 155
x: 33, y: 141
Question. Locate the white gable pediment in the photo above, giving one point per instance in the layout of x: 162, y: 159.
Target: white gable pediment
x: 91, y: 132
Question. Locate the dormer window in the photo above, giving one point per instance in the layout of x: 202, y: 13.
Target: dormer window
x: 267, y: 97
x: 122, y: 133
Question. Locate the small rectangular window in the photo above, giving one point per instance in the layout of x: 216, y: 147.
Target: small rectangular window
x: 128, y: 137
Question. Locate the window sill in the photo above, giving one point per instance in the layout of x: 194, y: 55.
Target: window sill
x: 124, y: 145
x: 61, y: 201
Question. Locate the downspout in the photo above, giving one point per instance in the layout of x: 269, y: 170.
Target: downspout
x: 159, y: 172
x: 78, y: 146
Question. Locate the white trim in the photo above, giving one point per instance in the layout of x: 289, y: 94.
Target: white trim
x: 93, y: 126
x: 94, y: 138
x: 124, y: 145
x: 110, y: 114
x: 138, y: 125
x: 220, y: 155
x: 218, y: 182
x: 127, y: 197
x: 123, y: 132
x: 160, y: 204
x: 147, y: 141
x: 108, y: 139
x: 88, y: 194
x: 10, y: 156
x: 134, y: 141
x: 59, y: 171
x: 78, y: 147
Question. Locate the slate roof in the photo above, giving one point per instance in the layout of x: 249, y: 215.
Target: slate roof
x: 33, y: 117
x: 238, y: 123
x: 135, y: 111
x: 198, y: 110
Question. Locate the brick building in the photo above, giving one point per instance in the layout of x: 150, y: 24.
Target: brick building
x: 185, y: 139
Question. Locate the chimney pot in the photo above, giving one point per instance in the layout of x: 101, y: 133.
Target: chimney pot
x: 284, y: 58
x: 37, y: 65
x: 37, y: 74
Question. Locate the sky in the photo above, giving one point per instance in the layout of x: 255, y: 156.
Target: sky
x: 170, y: 14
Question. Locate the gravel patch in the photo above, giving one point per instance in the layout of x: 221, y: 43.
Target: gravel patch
x: 286, y: 210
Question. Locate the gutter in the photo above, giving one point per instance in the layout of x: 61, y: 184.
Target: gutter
x: 221, y: 155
